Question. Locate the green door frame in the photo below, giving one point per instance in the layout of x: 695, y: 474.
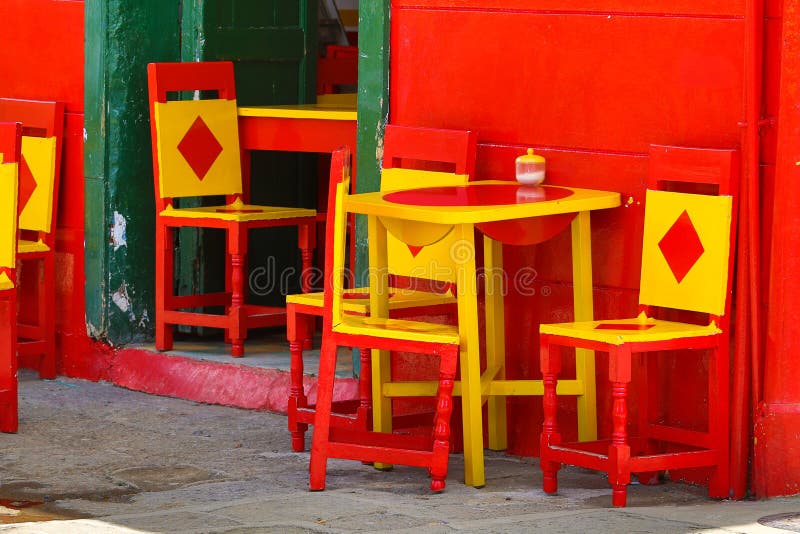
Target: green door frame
x: 119, y: 224
x: 373, y: 108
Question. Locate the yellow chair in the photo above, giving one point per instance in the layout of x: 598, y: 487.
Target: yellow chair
x: 10, y: 134
x: 686, y: 253
x: 196, y: 154
x: 40, y: 169
x: 441, y: 342
x: 421, y: 276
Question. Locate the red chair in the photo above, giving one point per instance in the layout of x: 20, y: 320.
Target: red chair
x: 196, y: 154
x: 686, y: 265
x: 338, y: 68
x: 10, y: 141
x: 404, y: 146
x: 40, y: 170
x: 340, y: 329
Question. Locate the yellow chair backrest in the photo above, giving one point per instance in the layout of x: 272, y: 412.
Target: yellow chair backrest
x: 37, y: 182
x: 336, y: 237
x: 686, y: 249
x: 435, y: 261
x: 8, y: 214
x: 198, y: 148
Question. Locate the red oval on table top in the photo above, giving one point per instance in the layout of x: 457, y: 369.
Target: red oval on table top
x: 477, y: 195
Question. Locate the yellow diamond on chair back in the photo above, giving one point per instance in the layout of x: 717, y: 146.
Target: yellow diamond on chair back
x: 198, y: 148
x: 37, y: 180
x: 686, y: 251
x: 436, y: 260
x: 8, y: 214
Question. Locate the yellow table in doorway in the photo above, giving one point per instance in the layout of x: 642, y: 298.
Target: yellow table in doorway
x: 504, y: 212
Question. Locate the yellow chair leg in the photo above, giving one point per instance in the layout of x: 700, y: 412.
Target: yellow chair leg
x: 495, y: 339
x: 379, y: 307
x: 584, y: 311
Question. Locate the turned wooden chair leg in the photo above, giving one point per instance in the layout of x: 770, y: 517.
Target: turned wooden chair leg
x: 296, y: 332
x: 364, y: 413
x: 441, y: 425
x: 551, y: 366
x: 619, y: 452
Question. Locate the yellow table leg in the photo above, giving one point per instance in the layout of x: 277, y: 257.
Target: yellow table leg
x: 584, y: 311
x: 495, y: 338
x: 464, y: 254
x: 379, y: 307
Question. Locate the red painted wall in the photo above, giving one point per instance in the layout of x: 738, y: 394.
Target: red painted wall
x: 46, y: 62
x: 590, y: 84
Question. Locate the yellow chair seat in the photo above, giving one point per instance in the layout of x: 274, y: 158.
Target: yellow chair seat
x: 26, y: 247
x: 637, y: 330
x: 398, y: 329
x: 357, y: 300
x: 5, y: 282
x: 239, y: 212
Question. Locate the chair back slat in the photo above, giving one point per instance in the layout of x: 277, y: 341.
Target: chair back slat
x: 10, y: 141
x: 195, y: 142
x: 456, y: 147
x: 419, y: 148
x: 688, y: 237
x: 336, y: 238
x: 40, y: 166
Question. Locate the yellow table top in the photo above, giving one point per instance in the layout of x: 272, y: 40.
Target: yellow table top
x: 331, y: 111
x: 579, y: 200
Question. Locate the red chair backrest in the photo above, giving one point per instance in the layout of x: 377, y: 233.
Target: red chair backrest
x: 10, y: 143
x: 40, y: 170
x: 689, y: 230
x: 183, y: 163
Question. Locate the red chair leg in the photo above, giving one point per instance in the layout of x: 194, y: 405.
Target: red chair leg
x: 322, y: 417
x: 441, y: 426
x: 296, y: 326
x: 47, y: 318
x: 364, y: 412
x: 306, y: 236
x: 619, y: 452
x: 550, y: 365
x: 237, y: 327
x: 9, y: 418
x: 719, y: 486
x: 165, y: 267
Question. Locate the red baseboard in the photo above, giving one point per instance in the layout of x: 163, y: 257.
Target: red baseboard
x: 227, y: 384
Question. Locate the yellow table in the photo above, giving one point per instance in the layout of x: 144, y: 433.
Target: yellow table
x: 504, y: 212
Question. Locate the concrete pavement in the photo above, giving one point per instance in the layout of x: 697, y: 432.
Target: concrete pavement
x: 93, y: 457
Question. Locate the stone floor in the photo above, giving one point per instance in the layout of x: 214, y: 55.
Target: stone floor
x: 93, y: 457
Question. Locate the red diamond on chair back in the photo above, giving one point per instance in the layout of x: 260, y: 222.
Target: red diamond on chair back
x: 681, y: 246
x: 200, y: 148
x: 27, y: 184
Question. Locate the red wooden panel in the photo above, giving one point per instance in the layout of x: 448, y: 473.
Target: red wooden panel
x: 70, y: 212
x: 589, y: 86
x: 46, y: 61
x: 616, y: 233
x: 704, y: 7
x: 614, y: 83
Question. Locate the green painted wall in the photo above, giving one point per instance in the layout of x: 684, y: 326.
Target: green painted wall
x: 373, y: 107
x: 269, y: 42
x: 122, y: 36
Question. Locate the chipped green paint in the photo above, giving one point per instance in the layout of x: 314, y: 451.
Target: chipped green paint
x: 122, y: 36
x: 268, y: 41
